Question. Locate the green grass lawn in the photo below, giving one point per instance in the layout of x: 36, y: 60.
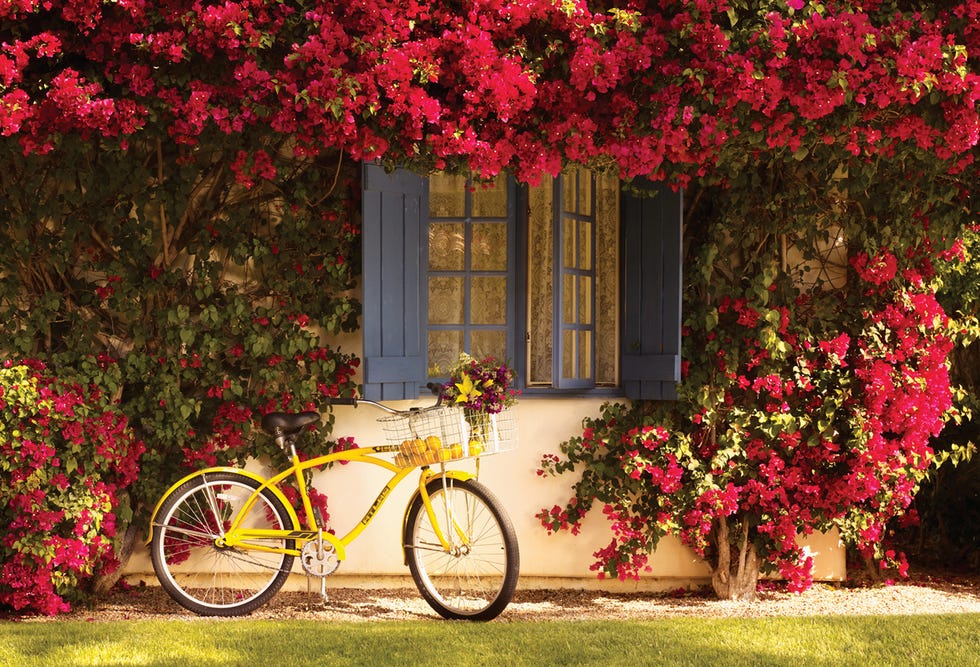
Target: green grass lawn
x: 888, y: 640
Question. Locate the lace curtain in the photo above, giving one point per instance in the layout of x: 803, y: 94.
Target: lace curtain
x: 607, y: 280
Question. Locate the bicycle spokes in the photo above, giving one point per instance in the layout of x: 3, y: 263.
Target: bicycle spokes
x: 189, y: 548
x: 468, y: 566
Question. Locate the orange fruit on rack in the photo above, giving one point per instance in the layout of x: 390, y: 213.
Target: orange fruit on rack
x: 433, y: 442
x: 456, y: 450
x: 414, y: 449
x: 445, y: 454
x: 476, y: 447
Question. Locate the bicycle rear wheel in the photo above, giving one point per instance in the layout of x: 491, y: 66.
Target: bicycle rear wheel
x: 476, y: 577
x: 201, y: 575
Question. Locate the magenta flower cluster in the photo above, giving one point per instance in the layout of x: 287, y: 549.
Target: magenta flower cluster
x: 68, y: 455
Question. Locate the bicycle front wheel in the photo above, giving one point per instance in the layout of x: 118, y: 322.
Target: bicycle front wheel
x: 475, y: 577
x: 195, y: 569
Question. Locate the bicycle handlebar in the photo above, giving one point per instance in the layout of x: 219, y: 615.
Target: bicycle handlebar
x: 434, y: 387
x: 344, y: 401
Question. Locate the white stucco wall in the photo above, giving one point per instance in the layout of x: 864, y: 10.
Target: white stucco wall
x: 563, y: 560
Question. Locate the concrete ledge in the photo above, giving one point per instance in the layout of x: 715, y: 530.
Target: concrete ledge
x: 299, y: 582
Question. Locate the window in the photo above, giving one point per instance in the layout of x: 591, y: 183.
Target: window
x: 569, y: 285
x: 470, y: 300
x: 573, y: 281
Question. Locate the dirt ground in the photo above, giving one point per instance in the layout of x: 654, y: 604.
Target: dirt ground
x: 921, y: 594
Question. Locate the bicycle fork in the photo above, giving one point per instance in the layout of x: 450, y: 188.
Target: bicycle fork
x: 457, y: 541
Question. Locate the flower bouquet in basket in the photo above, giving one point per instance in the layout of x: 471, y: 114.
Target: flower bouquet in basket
x: 484, y: 389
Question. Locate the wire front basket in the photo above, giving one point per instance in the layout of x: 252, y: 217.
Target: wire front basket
x: 438, y: 435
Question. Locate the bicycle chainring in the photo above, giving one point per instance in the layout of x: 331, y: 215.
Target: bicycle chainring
x: 319, y: 561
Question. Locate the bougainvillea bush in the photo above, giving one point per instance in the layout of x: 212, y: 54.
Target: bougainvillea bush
x: 815, y: 373
x: 179, y: 188
x: 67, y: 460
x: 215, y: 301
x: 948, y: 535
x: 804, y: 432
x: 655, y: 87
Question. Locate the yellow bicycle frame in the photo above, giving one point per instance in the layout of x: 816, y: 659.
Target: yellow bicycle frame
x: 236, y: 536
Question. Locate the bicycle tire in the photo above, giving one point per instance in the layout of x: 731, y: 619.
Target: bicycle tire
x: 207, y: 579
x: 473, y: 581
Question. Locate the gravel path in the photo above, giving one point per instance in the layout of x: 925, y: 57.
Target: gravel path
x: 926, y: 595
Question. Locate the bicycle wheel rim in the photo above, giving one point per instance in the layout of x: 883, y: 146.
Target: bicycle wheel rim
x: 476, y: 577
x: 203, y: 577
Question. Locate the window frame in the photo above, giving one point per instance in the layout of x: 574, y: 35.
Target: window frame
x: 512, y: 290
x: 650, y: 257
x: 559, y: 326
x: 568, y: 390
x: 518, y: 327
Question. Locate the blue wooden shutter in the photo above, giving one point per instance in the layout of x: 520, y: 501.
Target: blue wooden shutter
x: 651, y: 345
x: 393, y: 210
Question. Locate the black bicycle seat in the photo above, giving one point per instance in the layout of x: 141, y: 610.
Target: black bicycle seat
x: 288, y: 423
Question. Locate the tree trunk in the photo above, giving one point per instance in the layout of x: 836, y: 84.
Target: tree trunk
x: 103, y: 583
x: 872, y: 569
x: 737, y: 570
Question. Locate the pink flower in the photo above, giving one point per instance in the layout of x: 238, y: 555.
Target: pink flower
x: 877, y: 270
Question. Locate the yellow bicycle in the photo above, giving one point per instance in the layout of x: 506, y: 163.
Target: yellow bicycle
x: 223, y: 541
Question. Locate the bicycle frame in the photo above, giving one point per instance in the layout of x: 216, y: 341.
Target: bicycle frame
x: 244, y: 538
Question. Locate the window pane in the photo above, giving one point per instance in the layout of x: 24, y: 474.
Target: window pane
x: 568, y: 243
x: 489, y: 246
x: 490, y: 202
x: 577, y: 190
x: 469, y: 233
x: 489, y: 294
x: 446, y: 246
x: 569, y: 190
x: 568, y: 354
x: 585, y: 355
x: 443, y: 350
x: 584, y: 192
x: 568, y: 298
x: 488, y: 343
x: 585, y: 245
x: 585, y: 300
x: 445, y: 300
x: 447, y: 196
